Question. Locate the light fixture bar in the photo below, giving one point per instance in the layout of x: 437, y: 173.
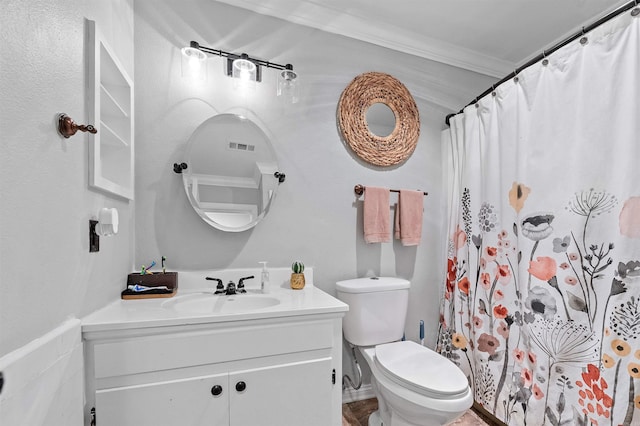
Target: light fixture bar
x: 233, y: 56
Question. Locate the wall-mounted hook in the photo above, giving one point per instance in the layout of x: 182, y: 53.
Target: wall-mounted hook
x: 281, y: 176
x: 67, y: 128
x: 178, y: 168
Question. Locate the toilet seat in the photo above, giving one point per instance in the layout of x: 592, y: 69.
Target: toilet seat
x: 420, y: 369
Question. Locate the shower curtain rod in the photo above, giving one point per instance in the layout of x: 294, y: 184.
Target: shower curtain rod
x: 546, y: 53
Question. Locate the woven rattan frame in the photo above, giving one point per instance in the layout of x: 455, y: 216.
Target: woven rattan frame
x: 364, y: 91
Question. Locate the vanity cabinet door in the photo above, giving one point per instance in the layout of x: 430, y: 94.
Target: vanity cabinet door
x: 189, y: 402
x: 293, y: 394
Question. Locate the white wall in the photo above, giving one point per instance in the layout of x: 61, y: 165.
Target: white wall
x: 316, y: 217
x: 46, y: 271
x: 44, y: 380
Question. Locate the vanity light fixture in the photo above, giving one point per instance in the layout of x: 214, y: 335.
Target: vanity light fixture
x: 288, y: 84
x: 194, y: 65
x: 244, y: 72
x: 245, y: 68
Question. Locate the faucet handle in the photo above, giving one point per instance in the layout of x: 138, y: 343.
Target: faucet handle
x: 219, y: 287
x: 241, y: 281
x: 241, y: 284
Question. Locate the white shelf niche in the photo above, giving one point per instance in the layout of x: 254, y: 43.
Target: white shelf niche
x: 110, y: 102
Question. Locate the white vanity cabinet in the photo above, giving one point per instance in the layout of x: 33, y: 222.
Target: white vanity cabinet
x: 175, y: 402
x: 261, y: 372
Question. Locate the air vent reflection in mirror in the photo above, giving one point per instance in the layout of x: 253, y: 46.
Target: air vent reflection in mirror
x: 241, y: 146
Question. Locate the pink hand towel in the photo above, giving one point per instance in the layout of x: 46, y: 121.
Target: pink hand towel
x: 408, y: 223
x: 377, y: 228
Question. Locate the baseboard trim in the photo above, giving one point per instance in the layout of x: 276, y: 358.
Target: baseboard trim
x: 350, y: 395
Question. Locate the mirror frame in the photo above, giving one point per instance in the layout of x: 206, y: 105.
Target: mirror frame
x: 364, y: 91
x: 188, y: 172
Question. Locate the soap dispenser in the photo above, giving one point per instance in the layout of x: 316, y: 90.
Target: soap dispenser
x: 264, y: 278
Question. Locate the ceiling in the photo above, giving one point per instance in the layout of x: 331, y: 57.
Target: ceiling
x: 491, y: 37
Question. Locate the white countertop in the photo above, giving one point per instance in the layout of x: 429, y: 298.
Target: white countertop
x: 144, y: 313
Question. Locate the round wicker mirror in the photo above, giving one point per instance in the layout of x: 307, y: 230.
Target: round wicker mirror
x: 364, y: 91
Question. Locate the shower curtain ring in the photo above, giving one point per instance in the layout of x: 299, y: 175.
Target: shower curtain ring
x: 584, y: 40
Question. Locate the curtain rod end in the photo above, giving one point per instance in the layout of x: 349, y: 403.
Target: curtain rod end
x: 447, y: 119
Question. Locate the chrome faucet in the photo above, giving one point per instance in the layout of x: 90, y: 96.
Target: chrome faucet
x: 231, y: 286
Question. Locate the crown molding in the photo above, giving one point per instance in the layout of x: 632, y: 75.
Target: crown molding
x: 397, y: 38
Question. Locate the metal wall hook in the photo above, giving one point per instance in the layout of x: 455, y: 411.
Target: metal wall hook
x: 67, y: 127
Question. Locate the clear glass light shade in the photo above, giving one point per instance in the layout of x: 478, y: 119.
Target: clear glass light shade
x: 194, y: 64
x: 244, y: 73
x: 289, y: 86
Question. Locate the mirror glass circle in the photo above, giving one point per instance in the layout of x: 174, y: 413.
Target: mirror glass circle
x: 381, y: 119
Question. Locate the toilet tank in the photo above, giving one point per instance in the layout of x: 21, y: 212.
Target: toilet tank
x: 377, y: 309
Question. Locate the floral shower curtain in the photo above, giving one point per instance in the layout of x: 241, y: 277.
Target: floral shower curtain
x: 541, y: 304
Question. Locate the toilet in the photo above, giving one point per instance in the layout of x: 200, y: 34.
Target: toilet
x: 414, y: 385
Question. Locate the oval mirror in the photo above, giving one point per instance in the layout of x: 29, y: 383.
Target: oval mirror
x: 381, y: 120
x: 231, y: 177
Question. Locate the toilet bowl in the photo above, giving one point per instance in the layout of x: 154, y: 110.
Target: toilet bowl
x: 414, y: 385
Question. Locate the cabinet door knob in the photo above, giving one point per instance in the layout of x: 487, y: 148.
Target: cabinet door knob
x: 241, y: 386
x: 216, y: 390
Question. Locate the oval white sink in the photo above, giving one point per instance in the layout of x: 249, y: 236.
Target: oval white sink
x: 213, y: 304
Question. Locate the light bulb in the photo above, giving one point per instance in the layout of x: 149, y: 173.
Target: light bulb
x: 194, y: 66
x: 289, y: 85
x: 244, y: 73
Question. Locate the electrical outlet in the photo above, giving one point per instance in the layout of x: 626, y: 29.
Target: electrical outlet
x: 94, y: 239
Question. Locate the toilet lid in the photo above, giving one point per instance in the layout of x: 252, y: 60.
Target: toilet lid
x: 421, y: 369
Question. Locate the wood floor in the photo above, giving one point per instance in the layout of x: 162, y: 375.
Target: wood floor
x: 357, y: 414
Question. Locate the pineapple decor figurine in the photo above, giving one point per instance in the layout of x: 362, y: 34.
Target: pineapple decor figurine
x: 297, y: 276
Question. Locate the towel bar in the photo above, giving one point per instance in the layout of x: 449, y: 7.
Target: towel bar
x: 359, y: 190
